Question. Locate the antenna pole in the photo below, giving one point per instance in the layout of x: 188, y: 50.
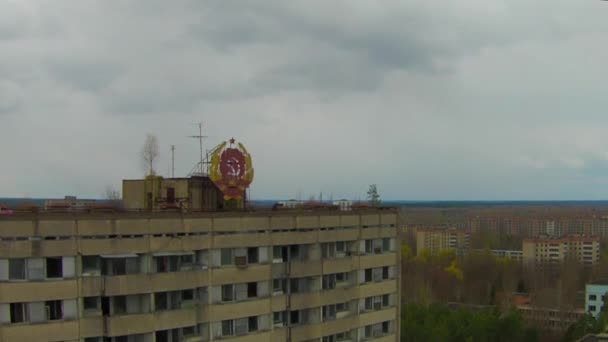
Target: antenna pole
x: 172, y: 161
x: 200, y: 138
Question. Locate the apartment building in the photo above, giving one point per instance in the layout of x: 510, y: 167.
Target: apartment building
x: 161, y: 276
x: 435, y: 240
x: 546, y: 250
x: 595, y: 297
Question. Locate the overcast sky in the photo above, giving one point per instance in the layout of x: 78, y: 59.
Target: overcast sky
x: 467, y: 99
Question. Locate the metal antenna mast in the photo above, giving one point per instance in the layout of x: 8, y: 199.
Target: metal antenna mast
x: 172, y: 161
x: 200, y: 138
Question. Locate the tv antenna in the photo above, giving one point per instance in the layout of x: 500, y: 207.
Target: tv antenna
x: 200, y: 137
x: 172, y: 161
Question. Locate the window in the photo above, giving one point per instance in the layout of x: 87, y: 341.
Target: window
x: 591, y: 308
x: 90, y: 303
x: 294, y: 285
x: 16, y: 269
x: 160, y: 301
x: 294, y: 317
x: 386, y: 244
x: 329, y: 312
x: 189, y: 331
x: 328, y: 250
x: 252, y: 290
x: 341, y: 277
x: 227, y: 293
x: 329, y: 281
x: 253, y: 323
x: 341, y: 247
x: 187, y: 295
x: 277, y: 253
x: 368, y: 275
x: 385, y: 300
x: 252, y: 255
x: 90, y: 263
x: 227, y: 256
x: 18, y: 312
x: 120, y: 305
x: 279, y: 285
x: 228, y: 327
x: 54, y: 268
x: 385, y: 327
x: 592, y: 297
x: 53, y: 309
x: 385, y: 272
x: 186, y: 260
x: 278, y: 317
x: 368, y: 247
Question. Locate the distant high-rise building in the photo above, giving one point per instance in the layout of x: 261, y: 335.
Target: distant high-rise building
x: 435, y: 240
x: 584, y: 249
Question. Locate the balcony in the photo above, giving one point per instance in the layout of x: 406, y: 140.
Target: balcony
x: 320, y: 298
x: 51, y: 331
x: 349, y: 234
x: 114, y: 246
x: 338, y: 265
x: 377, y: 289
x: 37, y: 291
x: 250, y: 273
x: 378, y: 260
x: 293, y: 238
x: 378, y: 316
x: 129, y: 324
x: 172, y: 319
x: 256, y: 337
x: 42, y: 248
x: 154, y: 282
x: 179, y: 243
x: 317, y: 330
x: 246, y: 308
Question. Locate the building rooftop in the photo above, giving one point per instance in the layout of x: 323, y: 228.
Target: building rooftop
x: 105, y: 212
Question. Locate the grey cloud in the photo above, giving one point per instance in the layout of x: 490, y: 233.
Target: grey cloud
x: 87, y: 76
x: 468, y: 99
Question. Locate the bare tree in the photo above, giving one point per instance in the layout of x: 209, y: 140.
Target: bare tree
x: 111, y: 194
x: 372, y: 196
x: 149, y: 153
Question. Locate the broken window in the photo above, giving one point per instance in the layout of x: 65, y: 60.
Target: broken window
x: 54, y: 268
x: 120, y: 305
x: 253, y: 323
x: 53, y: 310
x: 16, y: 269
x: 252, y: 290
x: 160, y: 301
x: 252, y: 255
x: 368, y: 275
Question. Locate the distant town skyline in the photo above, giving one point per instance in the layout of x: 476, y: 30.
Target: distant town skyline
x: 471, y: 100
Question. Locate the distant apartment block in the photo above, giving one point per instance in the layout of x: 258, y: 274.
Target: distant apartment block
x: 508, y: 254
x: 435, y: 240
x: 547, y: 250
x: 595, y: 297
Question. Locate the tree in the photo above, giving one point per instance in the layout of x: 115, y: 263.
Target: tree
x: 111, y: 194
x: 372, y: 195
x: 149, y: 153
